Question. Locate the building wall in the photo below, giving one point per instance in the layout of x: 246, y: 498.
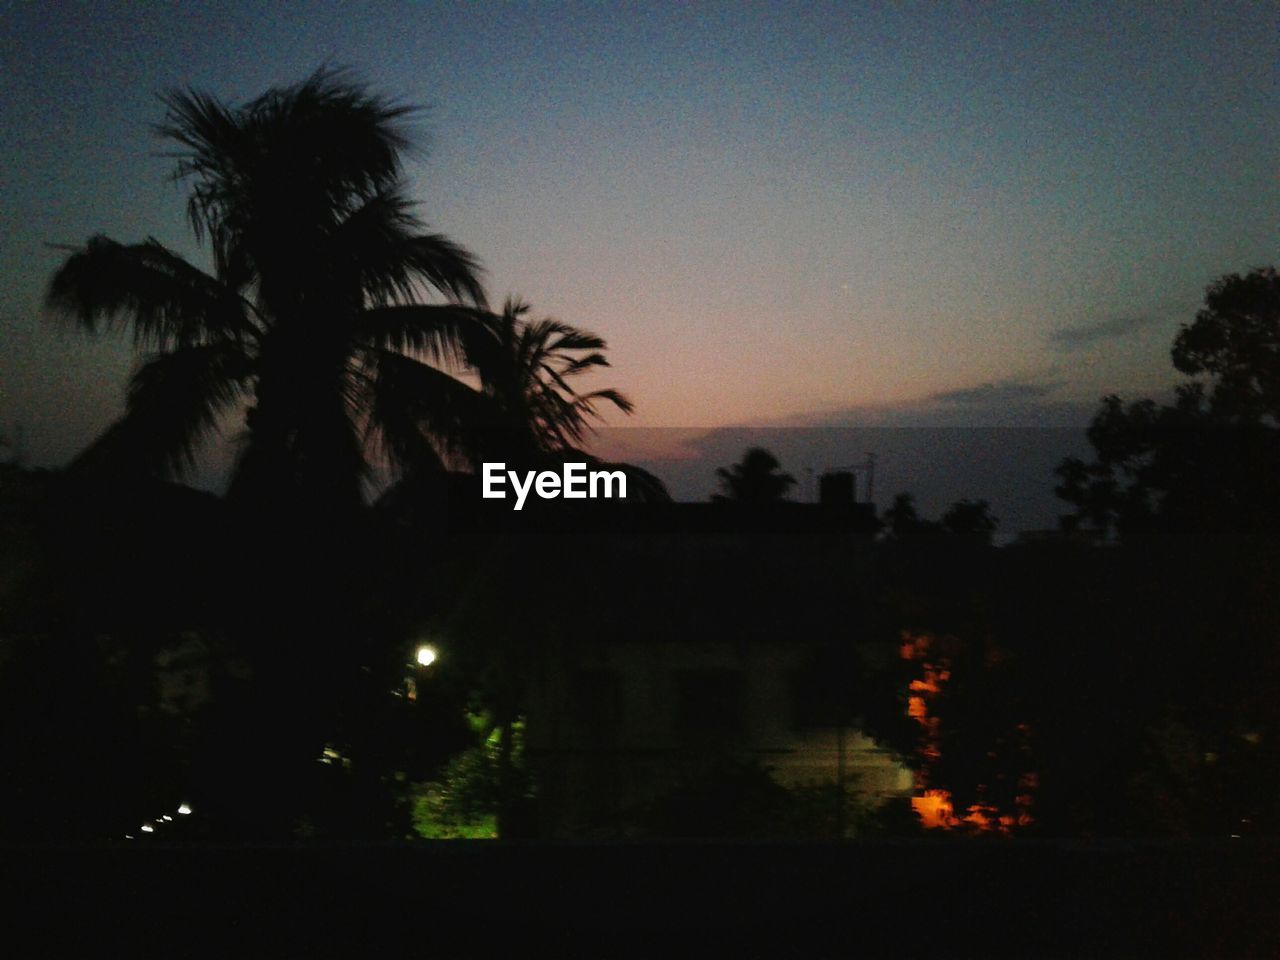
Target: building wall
x: 615, y: 725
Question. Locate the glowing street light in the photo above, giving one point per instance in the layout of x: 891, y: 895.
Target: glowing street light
x: 426, y: 655
x: 184, y: 809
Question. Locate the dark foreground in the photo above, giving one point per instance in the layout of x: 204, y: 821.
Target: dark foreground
x: 917, y: 899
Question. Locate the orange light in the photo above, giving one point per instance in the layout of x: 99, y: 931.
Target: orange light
x: 934, y: 809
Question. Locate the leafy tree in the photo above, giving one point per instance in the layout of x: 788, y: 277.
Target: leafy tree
x: 1235, y: 340
x: 467, y: 799
x: 1207, y: 462
x: 970, y: 519
x: 312, y: 316
x: 757, y: 478
x: 901, y: 517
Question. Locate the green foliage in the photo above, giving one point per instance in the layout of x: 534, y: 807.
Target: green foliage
x: 464, y: 801
x: 462, y: 804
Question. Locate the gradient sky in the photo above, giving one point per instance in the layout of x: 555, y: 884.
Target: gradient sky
x: 776, y: 214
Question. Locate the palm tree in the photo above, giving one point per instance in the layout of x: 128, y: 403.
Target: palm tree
x: 312, y: 318
x: 527, y: 369
x: 314, y: 321
x: 756, y: 479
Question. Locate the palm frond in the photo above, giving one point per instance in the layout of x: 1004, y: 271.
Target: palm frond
x: 619, y: 400
x: 581, y: 364
x: 568, y: 338
x: 444, y: 333
x: 417, y: 412
x: 325, y: 139
x: 350, y: 139
x: 382, y: 243
x: 527, y: 373
x: 175, y: 399
x: 213, y: 142
x: 446, y: 266
x: 555, y: 377
x: 168, y: 302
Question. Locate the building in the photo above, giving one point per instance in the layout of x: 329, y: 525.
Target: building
x: 670, y: 644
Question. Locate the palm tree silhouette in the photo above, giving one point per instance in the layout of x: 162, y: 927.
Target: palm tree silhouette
x: 527, y: 369
x: 757, y: 478
x: 313, y: 316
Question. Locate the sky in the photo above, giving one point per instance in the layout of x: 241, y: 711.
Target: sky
x: 778, y: 215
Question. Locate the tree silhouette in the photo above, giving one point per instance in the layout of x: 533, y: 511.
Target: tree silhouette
x: 314, y: 320
x: 970, y: 519
x: 1207, y: 461
x: 527, y: 371
x: 1235, y: 340
x: 1202, y: 467
x: 313, y: 314
x: 902, y: 517
x: 527, y: 368
x: 757, y: 478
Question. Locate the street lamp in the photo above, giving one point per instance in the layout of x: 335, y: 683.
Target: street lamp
x: 423, y: 657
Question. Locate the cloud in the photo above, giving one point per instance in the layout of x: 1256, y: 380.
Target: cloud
x: 1034, y: 400
x: 1029, y: 400
x: 1073, y: 338
x: 999, y: 392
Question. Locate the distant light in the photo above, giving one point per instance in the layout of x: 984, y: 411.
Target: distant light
x: 148, y: 828
x: 167, y: 818
x: 426, y: 656
x: 184, y: 809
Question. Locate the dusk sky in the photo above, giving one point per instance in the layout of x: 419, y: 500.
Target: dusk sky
x: 808, y: 214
